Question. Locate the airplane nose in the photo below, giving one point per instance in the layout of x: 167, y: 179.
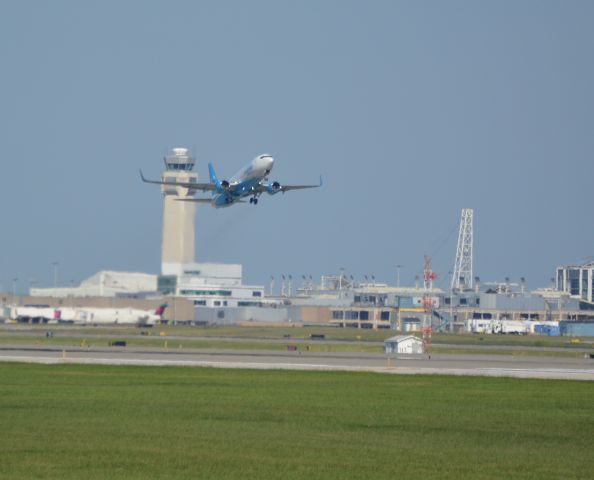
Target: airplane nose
x: 267, y: 163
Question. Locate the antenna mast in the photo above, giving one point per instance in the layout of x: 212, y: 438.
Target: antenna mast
x: 462, y: 273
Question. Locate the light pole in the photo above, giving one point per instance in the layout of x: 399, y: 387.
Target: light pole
x: 14, y: 281
x: 174, y: 309
x: 32, y: 282
x: 451, y: 325
x: 55, y: 265
x: 398, y: 267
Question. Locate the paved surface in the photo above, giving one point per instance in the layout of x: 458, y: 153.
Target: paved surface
x: 483, y: 365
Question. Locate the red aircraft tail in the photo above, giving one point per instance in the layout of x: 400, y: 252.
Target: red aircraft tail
x: 161, y: 309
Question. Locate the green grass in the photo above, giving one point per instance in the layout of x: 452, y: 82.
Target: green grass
x: 511, y: 340
x: 206, y: 343
x: 507, y: 351
x: 295, y: 332
x: 270, y: 332
x: 314, y: 346
x: 101, y: 422
x: 274, y: 338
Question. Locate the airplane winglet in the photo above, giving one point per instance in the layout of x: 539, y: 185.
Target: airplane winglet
x: 321, y: 181
x: 142, y: 176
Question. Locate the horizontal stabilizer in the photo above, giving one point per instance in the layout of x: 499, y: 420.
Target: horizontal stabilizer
x: 193, y: 186
x: 194, y: 200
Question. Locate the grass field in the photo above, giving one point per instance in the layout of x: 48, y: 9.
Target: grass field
x: 248, y: 344
x: 277, y: 338
x: 98, y: 422
x: 304, y: 333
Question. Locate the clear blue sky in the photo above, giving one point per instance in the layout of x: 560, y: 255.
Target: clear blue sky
x: 411, y: 111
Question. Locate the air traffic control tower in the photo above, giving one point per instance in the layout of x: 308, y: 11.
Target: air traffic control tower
x: 207, y: 284
x: 178, y: 217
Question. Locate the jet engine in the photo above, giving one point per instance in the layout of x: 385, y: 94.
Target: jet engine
x: 222, y: 187
x: 273, y: 188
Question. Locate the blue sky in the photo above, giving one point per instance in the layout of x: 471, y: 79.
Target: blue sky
x: 411, y: 111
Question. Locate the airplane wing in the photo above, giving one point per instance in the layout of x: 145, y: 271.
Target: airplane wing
x: 204, y: 187
x: 277, y: 187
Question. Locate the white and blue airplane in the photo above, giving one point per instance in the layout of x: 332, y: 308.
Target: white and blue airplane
x: 251, y: 181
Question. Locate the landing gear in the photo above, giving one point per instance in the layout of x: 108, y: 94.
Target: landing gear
x: 254, y: 200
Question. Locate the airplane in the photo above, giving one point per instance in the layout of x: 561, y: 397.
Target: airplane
x: 43, y: 314
x: 121, y: 316
x: 251, y: 181
x: 33, y: 314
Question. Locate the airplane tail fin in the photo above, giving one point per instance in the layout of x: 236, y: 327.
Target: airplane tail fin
x: 160, y: 310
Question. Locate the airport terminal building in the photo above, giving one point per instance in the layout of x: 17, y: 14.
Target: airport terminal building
x: 577, y: 281
x: 214, y: 293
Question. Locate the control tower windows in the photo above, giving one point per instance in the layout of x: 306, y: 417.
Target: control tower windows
x: 180, y: 167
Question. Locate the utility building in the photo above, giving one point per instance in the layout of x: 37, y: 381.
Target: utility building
x: 403, y: 344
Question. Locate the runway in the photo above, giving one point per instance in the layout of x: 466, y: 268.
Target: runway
x: 438, y: 364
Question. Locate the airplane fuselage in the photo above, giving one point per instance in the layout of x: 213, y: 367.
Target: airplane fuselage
x: 244, y: 182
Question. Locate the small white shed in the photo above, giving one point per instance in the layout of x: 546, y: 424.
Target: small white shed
x: 403, y: 344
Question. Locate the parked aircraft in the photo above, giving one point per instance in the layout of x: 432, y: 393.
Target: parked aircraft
x: 251, y: 181
x: 86, y: 315
x: 121, y: 316
x: 34, y: 314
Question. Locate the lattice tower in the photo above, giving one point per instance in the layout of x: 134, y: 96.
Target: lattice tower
x: 462, y: 273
